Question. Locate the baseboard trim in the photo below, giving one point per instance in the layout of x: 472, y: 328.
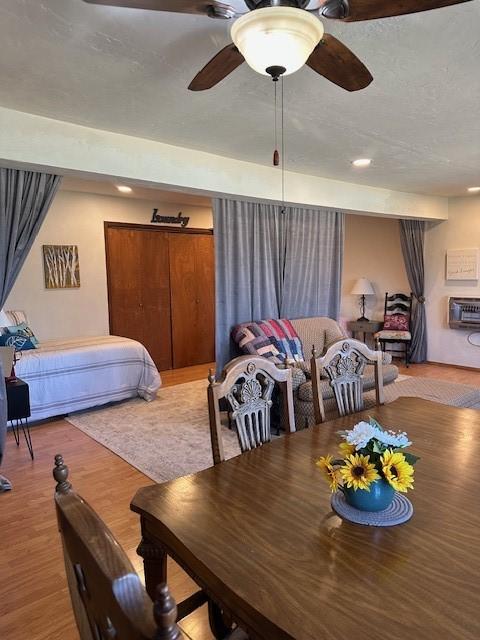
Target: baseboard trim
x: 455, y: 366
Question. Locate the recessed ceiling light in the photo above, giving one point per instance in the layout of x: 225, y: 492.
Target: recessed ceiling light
x: 474, y: 189
x: 362, y: 162
x: 124, y: 189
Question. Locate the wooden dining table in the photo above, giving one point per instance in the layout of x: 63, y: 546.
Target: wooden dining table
x: 258, y: 535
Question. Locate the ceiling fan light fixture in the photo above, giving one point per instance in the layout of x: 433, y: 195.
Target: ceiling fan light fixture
x: 277, y: 37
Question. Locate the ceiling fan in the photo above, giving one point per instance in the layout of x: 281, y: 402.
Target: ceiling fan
x: 277, y: 37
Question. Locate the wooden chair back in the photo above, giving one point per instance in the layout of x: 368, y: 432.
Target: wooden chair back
x: 247, y: 383
x: 398, y: 304
x: 108, y: 599
x: 344, y: 363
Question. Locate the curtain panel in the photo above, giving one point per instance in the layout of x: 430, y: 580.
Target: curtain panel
x: 313, y: 263
x: 412, y: 237
x: 3, y: 413
x: 5, y: 484
x: 249, y: 257
x: 25, y: 197
x: 273, y: 263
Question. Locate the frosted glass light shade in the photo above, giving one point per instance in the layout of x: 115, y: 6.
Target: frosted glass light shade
x: 362, y: 287
x: 277, y: 36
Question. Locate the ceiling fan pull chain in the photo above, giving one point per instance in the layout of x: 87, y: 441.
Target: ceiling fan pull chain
x: 276, y: 157
x: 283, y: 148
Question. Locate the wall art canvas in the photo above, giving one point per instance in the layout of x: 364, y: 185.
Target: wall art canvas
x: 60, y: 266
x: 462, y: 264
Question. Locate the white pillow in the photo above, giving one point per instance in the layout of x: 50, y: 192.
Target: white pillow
x: 12, y: 318
x: 3, y: 319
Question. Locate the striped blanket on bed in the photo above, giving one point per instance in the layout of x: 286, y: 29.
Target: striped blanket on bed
x: 79, y: 373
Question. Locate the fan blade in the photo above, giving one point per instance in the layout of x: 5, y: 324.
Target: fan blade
x: 372, y: 9
x: 334, y: 61
x: 211, y: 8
x: 219, y: 67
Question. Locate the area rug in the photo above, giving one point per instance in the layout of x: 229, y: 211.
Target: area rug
x: 170, y: 436
x: 164, y: 439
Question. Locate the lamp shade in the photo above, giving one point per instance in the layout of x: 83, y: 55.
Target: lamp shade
x: 277, y: 36
x: 362, y: 287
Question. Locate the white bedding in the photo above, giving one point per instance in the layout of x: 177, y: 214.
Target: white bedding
x: 78, y: 373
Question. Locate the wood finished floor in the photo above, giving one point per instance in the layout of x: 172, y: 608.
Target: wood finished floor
x: 34, y: 599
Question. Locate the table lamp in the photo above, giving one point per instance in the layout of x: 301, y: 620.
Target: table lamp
x: 362, y: 288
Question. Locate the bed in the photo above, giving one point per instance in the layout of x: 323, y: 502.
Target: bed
x: 79, y: 373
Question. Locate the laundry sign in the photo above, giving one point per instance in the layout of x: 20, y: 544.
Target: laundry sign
x: 462, y: 264
x: 179, y: 219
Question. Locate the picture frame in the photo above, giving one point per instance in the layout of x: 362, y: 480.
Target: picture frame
x: 61, y: 267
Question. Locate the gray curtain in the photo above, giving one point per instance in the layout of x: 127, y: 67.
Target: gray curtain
x: 25, y: 197
x: 271, y: 264
x: 412, y: 237
x: 249, y: 258
x: 313, y: 263
x: 3, y: 413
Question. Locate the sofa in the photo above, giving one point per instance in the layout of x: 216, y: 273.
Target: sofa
x: 318, y: 332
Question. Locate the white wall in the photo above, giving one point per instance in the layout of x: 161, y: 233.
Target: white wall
x: 372, y: 251
x: 34, y: 141
x: 77, y: 218
x: 461, y: 231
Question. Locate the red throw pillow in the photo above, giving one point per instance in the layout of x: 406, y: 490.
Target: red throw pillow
x: 396, y: 322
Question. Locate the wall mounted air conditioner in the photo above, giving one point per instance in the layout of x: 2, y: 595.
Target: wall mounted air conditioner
x: 464, y: 313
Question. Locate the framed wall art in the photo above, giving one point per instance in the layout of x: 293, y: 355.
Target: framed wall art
x: 61, y: 267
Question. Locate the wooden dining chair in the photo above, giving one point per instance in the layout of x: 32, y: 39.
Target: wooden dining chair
x: 343, y: 365
x: 108, y: 599
x: 247, y: 383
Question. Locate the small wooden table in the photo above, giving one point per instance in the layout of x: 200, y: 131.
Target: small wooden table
x: 365, y: 327
x: 257, y: 533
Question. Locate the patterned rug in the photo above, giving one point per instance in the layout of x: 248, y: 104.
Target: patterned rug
x: 170, y: 436
x: 164, y: 439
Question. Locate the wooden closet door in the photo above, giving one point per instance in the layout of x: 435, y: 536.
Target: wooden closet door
x: 139, y: 289
x: 192, y: 281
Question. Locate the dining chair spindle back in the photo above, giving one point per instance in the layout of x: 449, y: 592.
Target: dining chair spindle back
x: 343, y: 364
x: 247, y: 384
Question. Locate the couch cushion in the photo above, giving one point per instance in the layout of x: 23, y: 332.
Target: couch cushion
x: 390, y: 373
x: 393, y: 335
x: 320, y: 332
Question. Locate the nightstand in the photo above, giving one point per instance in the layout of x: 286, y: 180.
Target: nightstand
x: 367, y: 327
x: 18, y: 407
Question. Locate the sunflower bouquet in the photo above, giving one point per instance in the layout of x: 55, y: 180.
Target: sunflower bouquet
x: 370, y: 456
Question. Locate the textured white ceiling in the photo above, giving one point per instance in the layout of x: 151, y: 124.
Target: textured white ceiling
x: 128, y: 71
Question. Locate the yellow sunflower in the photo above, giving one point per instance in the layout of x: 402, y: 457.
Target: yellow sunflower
x: 397, y: 471
x: 346, y: 449
x: 358, y: 472
x: 325, y: 465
